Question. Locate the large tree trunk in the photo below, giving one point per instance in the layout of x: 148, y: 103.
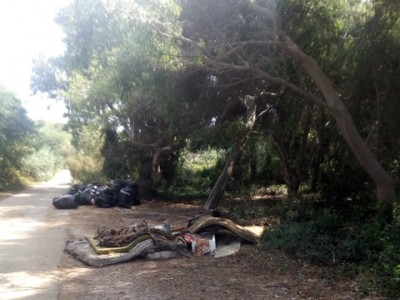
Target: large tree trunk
x: 218, y: 189
x: 383, y: 182
x: 155, y: 166
x: 158, y: 154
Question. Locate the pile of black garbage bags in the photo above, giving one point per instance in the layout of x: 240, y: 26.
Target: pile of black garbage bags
x: 122, y: 193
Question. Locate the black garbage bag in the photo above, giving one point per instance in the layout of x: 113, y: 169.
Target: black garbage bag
x: 75, y: 189
x: 103, y: 190
x: 65, y: 202
x: 124, y: 199
x: 133, y: 189
x: 106, y: 201
x: 105, y: 197
x: 128, y: 195
x: 87, y: 196
x: 115, y: 187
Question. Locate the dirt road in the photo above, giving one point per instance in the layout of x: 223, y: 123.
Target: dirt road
x: 34, y: 265
x: 32, y: 239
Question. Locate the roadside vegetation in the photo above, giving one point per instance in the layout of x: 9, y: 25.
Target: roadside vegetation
x: 29, y: 151
x: 281, y: 112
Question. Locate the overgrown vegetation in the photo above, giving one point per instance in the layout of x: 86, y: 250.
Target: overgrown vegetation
x: 195, y: 175
x: 28, y: 151
x: 85, y: 161
x: 362, y: 247
x: 50, y: 147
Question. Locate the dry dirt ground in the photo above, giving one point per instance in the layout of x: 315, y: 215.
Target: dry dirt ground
x: 250, y: 274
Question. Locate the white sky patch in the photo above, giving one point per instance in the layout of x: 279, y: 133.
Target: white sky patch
x: 27, y: 29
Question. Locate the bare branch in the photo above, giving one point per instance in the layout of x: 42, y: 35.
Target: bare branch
x: 265, y: 111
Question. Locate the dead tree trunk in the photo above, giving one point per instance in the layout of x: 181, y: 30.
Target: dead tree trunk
x: 218, y: 189
x: 382, y: 180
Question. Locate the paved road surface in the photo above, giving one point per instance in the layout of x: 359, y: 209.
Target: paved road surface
x: 32, y: 239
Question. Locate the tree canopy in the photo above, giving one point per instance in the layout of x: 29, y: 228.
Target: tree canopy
x: 162, y: 74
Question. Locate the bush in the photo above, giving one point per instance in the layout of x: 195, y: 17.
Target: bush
x: 85, y: 161
x: 195, y: 176
x: 385, y: 266
x: 312, y: 240
x: 41, y: 165
x: 86, y: 169
x: 371, y: 246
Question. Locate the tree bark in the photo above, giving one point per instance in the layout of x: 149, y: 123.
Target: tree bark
x: 158, y: 154
x: 382, y: 180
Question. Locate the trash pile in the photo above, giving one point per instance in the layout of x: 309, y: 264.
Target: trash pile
x: 122, y: 193
x: 206, y: 235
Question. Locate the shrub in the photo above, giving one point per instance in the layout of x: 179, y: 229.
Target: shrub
x: 371, y: 247
x: 41, y: 165
x: 312, y: 240
x: 195, y: 175
x: 86, y: 169
x: 385, y: 267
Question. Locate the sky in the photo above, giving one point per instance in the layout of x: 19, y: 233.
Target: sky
x: 27, y: 29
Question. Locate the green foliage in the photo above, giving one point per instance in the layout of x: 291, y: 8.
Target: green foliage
x: 125, y: 59
x: 195, y: 175
x: 41, y: 165
x: 275, y: 189
x: 384, y: 273
x: 371, y: 247
x: 86, y: 161
x: 85, y: 168
x: 247, y: 209
x: 119, y: 73
x: 373, y: 73
x: 46, y: 76
x: 312, y: 240
x: 201, y: 160
x: 132, y: 68
x: 16, y: 130
x: 115, y: 158
x: 51, y: 147
x: 27, y: 150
